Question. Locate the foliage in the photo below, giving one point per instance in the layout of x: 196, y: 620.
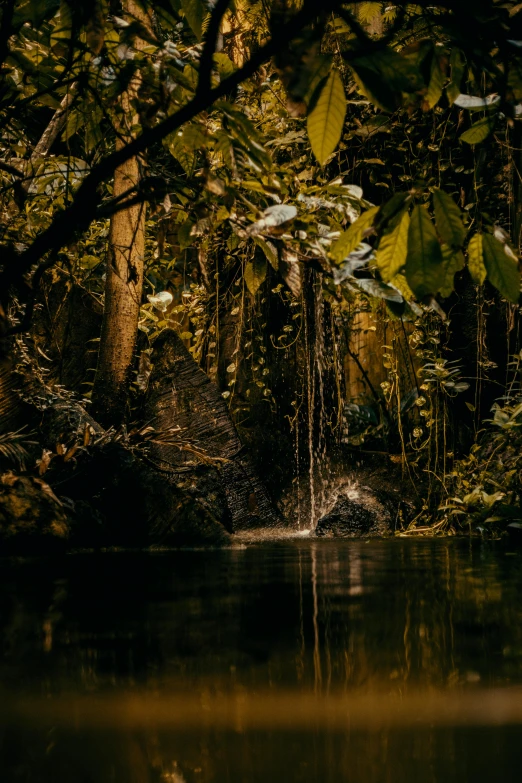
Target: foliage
x: 357, y: 145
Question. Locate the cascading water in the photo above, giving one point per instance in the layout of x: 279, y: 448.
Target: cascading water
x: 317, y: 402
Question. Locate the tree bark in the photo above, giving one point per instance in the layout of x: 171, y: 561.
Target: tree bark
x: 124, y: 277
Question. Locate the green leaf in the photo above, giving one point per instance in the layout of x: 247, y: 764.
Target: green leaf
x: 378, y: 290
x: 352, y: 237
x: 448, y: 219
x: 393, y: 248
x: 457, y: 66
x: 476, y: 266
x: 424, y: 270
x: 401, y: 284
x: 183, y: 144
x: 270, y: 251
x: 384, y: 75
x: 195, y: 13
x: 436, y: 83
x: 325, y: 121
x: 185, y: 156
x: 452, y: 262
x: 89, y: 262
x: 224, y: 65
x: 255, y: 274
x: 479, y: 131
x: 502, y: 270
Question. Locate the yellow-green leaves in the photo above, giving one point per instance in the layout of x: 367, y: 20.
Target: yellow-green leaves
x: 326, y: 118
x: 270, y: 251
x: 436, y: 83
x: 452, y: 262
x: 352, y: 237
x: 501, y: 268
x: 195, y: 13
x: 479, y: 131
x: 393, y: 248
x: 183, y: 145
x: 476, y: 266
x: 255, y: 273
x: 424, y: 258
x: 448, y: 219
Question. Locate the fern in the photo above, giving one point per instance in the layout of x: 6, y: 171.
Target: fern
x: 12, y: 448
x: 369, y: 12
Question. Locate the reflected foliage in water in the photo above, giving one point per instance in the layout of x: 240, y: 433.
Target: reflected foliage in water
x: 288, y: 661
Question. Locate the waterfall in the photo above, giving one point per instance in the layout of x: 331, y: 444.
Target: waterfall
x: 316, y: 403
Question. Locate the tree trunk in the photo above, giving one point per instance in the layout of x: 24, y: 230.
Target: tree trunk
x: 124, y: 278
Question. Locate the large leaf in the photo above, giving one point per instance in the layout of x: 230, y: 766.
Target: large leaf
x: 436, y: 83
x: 424, y: 271
x: 393, y: 248
x: 326, y: 119
x: 479, y: 131
x: 195, y: 12
x: 401, y: 284
x: 255, y: 273
x: 473, y: 103
x: 452, y: 262
x: 270, y: 251
x: 379, y: 290
x: 457, y: 67
x: 272, y: 217
x: 476, y: 266
x: 502, y: 270
x: 384, y: 75
x: 183, y: 145
x: 352, y: 237
x: 448, y: 219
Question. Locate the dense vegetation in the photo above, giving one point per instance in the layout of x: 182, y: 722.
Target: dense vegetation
x: 284, y: 184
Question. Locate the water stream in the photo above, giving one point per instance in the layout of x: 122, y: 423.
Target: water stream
x: 291, y: 661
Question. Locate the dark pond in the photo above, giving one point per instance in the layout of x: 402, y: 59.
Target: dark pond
x: 280, y: 662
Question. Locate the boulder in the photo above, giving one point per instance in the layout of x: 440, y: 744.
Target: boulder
x: 358, y: 512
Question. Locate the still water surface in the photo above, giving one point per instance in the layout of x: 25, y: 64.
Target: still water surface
x: 272, y: 662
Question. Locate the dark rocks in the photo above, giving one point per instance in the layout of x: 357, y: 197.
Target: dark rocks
x: 514, y: 530
x: 32, y: 518
x: 358, y: 512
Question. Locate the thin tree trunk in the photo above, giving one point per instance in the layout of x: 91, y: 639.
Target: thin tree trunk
x: 124, y: 277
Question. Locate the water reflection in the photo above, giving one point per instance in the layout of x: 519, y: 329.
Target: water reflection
x: 284, y: 661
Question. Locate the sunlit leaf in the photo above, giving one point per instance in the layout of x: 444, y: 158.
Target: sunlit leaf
x: 272, y: 217
x: 476, y: 266
x: 502, y: 270
x: 326, y: 120
x: 452, y: 262
x: 479, y: 131
x: 195, y: 12
x: 474, y: 103
x: 424, y: 258
x: 436, y: 83
x: 393, y: 248
x: 448, y: 219
x: 161, y: 300
x: 401, y: 284
x: 270, y: 251
x: 379, y: 290
x: 352, y: 237
x: 255, y: 274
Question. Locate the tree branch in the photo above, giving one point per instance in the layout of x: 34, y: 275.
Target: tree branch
x: 79, y: 215
x: 210, y: 45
